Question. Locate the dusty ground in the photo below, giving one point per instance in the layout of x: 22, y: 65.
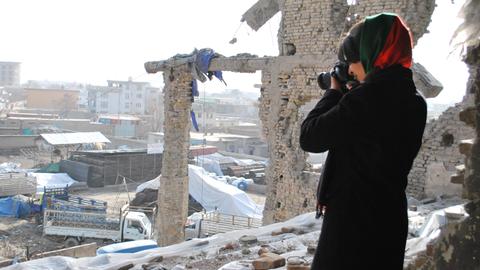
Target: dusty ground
x: 17, y: 234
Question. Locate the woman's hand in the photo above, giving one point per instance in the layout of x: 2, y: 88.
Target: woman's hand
x: 334, y: 84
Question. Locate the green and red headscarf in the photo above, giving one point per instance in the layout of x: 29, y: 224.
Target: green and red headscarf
x: 380, y: 41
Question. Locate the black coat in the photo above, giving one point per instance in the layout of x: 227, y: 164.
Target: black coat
x: 373, y: 134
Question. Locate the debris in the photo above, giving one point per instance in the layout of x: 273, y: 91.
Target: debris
x: 275, y: 233
x: 288, y: 229
x: 262, y: 250
x: 297, y: 263
x: 428, y: 200
x: 268, y: 261
x: 311, y: 249
x: 246, y: 251
x: 126, y: 267
x: 248, y: 239
x: 230, y: 246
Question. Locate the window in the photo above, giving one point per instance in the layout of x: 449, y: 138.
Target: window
x: 127, y: 105
x: 135, y: 224
x: 127, y: 96
x: 139, y: 95
x: 138, y: 105
x: 104, y: 104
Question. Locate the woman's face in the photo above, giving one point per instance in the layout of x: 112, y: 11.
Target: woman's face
x: 356, y: 70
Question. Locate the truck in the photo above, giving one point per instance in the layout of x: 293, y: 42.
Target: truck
x: 60, y: 199
x: 204, y: 224
x: 77, y: 226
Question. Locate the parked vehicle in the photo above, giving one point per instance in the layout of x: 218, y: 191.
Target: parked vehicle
x: 203, y: 224
x: 77, y: 226
x: 60, y: 199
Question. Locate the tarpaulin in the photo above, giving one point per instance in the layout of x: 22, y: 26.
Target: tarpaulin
x: 213, y: 194
x: 14, y: 207
x: 53, y: 180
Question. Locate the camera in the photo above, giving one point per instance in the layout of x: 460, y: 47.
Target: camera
x: 339, y: 72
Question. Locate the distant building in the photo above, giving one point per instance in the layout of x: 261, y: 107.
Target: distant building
x: 53, y: 99
x: 9, y: 73
x: 123, y: 97
x: 124, y: 125
x: 46, y: 84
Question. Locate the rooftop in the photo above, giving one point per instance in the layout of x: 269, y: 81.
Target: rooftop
x: 74, y: 138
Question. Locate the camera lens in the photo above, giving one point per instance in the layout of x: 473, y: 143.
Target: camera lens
x: 323, y: 80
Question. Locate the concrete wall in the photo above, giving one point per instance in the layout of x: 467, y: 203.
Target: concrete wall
x: 16, y: 141
x: 86, y: 250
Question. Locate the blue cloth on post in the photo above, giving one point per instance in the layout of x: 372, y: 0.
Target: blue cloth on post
x: 194, y: 121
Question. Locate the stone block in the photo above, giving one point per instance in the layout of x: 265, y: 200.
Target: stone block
x: 268, y: 261
x: 457, y: 179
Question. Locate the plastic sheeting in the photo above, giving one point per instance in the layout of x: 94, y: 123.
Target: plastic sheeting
x: 14, y: 207
x: 53, y: 180
x: 10, y: 167
x: 209, y: 164
x: 188, y: 248
x: 213, y: 194
x: 431, y: 230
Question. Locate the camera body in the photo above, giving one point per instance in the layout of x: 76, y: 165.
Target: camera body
x: 339, y: 72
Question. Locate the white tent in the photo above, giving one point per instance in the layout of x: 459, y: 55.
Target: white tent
x: 213, y: 194
x: 226, y: 198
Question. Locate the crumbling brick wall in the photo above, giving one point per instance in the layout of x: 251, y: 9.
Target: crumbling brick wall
x: 458, y: 246
x: 439, y: 155
x: 309, y: 28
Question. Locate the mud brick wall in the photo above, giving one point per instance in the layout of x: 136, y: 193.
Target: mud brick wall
x: 439, y: 154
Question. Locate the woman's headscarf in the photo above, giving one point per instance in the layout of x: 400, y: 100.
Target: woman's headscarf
x: 379, y: 41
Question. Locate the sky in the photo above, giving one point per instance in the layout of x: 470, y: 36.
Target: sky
x: 90, y: 41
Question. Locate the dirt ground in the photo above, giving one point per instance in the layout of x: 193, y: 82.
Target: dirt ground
x: 17, y: 234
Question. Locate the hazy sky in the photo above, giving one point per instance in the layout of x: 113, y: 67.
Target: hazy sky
x: 92, y: 41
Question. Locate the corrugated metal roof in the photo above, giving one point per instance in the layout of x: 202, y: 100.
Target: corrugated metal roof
x: 74, y: 138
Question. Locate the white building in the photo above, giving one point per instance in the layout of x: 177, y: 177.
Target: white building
x: 9, y: 73
x: 122, y: 97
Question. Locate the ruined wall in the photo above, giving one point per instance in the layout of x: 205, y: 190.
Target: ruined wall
x: 309, y: 28
x: 436, y: 161
x: 173, y: 196
x: 289, y: 188
x: 457, y: 247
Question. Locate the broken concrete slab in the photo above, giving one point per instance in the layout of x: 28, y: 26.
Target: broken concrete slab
x: 425, y: 81
x: 261, y: 12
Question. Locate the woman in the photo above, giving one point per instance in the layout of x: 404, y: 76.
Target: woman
x: 372, y: 133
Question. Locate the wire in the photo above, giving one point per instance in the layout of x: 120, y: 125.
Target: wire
x: 234, y: 39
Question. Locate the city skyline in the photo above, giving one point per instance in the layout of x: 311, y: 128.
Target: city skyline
x: 92, y: 42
